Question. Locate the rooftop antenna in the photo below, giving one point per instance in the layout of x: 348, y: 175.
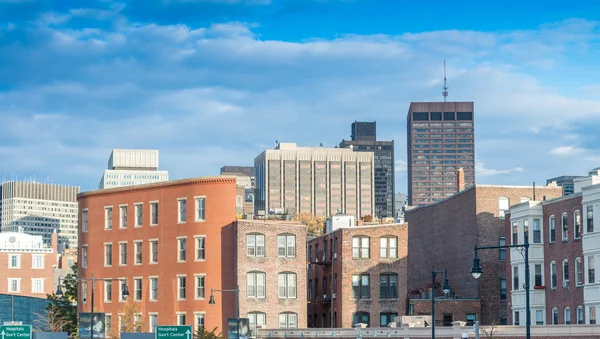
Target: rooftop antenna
x: 445, y: 92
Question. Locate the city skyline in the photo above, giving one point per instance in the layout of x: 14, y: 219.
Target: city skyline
x: 102, y: 88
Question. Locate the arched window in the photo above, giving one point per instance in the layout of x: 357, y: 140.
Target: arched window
x: 286, y: 283
x: 577, y: 224
x: 360, y: 247
x: 255, y: 284
x: 255, y: 245
x: 310, y: 289
x: 324, y: 319
x: 555, y: 316
x: 580, y: 315
x: 565, y: 227
x: 288, y: 320
x: 552, y: 228
x: 361, y: 318
x: 286, y: 245
x: 256, y: 320
x: 578, y: 272
x: 552, y: 274
x: 565, y: 267
x: 567, y: 316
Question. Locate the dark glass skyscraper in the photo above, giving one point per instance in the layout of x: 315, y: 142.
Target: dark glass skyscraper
x: 364, y: 139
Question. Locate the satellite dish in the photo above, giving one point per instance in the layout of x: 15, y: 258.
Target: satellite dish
x: 351, y: 146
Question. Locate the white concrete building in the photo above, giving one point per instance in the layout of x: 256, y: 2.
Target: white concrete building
x: 591, y: 251
x: 39, y: 209
x: 128, y: 167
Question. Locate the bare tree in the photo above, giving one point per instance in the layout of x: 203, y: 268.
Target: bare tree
x: 51, y: 320
x: 488, y: 331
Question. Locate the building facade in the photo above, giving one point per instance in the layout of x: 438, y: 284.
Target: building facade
x: 440, y: 141
x: 401, y: 202
x: 40, y: 209
x: 27, y: 264
x: 442, y: 235
x: 271, y: 273
x: 168, y: 242
x: 357, y: 274
x: 566, y: 182
x: 128, y: 167
x: 319, y: 181
x: 364, y: 139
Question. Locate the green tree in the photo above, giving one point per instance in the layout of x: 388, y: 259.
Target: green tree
x: 202, y: 333
x: 64, y: 307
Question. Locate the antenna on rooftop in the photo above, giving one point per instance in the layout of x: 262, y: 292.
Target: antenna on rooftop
x: 445, y: 92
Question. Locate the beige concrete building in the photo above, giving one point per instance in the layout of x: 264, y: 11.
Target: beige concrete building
x: 315, y: 180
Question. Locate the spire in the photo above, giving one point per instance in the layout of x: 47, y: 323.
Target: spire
x: 445, y: 92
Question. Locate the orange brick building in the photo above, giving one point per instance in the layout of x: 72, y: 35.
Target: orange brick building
x: 168, y: 242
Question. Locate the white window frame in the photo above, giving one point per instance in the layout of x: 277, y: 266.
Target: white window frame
x: 84, y: 220
x: 579, y: 320
x: 253, y: 289
x: 150, y: 247
x: 121, y: 224
x: 283, y: 281
x: 151, y: 203
x: 138, y: 251
x: 108, y: 225
x: 196, y: 286
x: 10, y: 259
x: 578, y: 272
x: 390, y: 252
x: 551, y: 227
x: 567, y: 319
x: 564, y: 226
x: 286, y: 246
x: 151, y: 328
x: 108, y: 323
x: 138, y: 281
x: 253, y: 322
x: 576, y: 219
x: 122, y: 299
x: 10, y: 289
x: 178, y: 317
x: 197, y: 316
x: 565, y: 279
x: 255, y: 247
x: 179, y: 276
x: 150, y: 278
x: 553, y: 282
x: 179, y: 260
x: 33, y: 282
x: 138, y: 217
x: 84, y: 256
x: 286, y: 322
x: 105, y: 287
x: 111, y: 254
x: 197, y: 200
x: 121, y: 253
x: 179, y: 219
x: 196, y: 247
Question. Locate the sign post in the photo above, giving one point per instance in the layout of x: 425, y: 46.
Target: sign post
x: 15, y: 331
x: 174, y: 332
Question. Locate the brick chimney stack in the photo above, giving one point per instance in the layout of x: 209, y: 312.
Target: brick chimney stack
x: 54, y: 241
x: 460, y: 179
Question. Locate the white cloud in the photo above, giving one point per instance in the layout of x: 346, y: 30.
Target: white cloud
x: 481, y: 170
x: 566, y: 150
x: 400, y: 166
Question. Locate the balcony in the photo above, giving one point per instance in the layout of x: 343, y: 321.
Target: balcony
x: 323, y: 296
x: 321, y: 258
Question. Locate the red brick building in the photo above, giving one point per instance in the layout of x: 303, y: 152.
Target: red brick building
x: 26, y: 265
x: 271, y: 273
x: 443, y: 234
x: 357, y: 274
x: 169, y: 242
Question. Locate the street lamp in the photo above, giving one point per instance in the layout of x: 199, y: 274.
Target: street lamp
x: 476, y: 271
x: 124, y: 293
x: 445, y: 289
x: 211, y: 300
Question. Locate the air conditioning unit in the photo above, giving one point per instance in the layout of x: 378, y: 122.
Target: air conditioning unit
x: 334, y: 295
x: 324, y: 257
x: 325, y: 296
x: 334, y: 255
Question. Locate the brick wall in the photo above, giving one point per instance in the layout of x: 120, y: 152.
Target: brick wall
x: 459, y: 308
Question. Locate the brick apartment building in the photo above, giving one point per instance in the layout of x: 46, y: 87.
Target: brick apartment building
x: 169, y: 242
x: 357, y: 274
x: 26, y: 264
x: 271, y: 273
x: 443, y: 235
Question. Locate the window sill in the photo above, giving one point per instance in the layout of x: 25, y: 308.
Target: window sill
x: 153, y: 225
x: 107, y: 265
x: 122, y: 228
x: 198, y: 298
x: 153, y: 300
x: 14, y: 268
x: 180, y: 299
x: 200, y: 220
x: 153, y: 263
x: 138, y: 264
x: 181, y: 222
x: 140, y: 226
x: 363, y: 299
x: 108, y: 229
x: 199, y: 260
x: 122, y: 265
x: 389, y: 299
x: 181, y: 261
x: 107, y: 301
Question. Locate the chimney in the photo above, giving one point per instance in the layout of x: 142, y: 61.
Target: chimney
x: 460, y: 179
x: 54, y: 241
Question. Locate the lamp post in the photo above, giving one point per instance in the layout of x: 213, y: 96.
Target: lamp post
x: 476, y: 271
x: 125, y: 294
x: 211, y: 301
x: 445, y: 289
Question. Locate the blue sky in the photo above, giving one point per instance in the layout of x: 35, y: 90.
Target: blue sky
x: 214, y: 82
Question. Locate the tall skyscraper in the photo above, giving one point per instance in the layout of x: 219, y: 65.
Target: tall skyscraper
x: 38, y: 209
x: 440, y: 141
x: 128, y: 167
x: 364, y: 139
x: 315, y: 180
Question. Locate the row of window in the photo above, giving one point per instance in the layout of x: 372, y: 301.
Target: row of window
x: 523, y: 226
x: 286, y: 245
x: 256, y: 285
x: 259, y: 319
x: 37, y: 285
x: 579, y: 316
x: 37, y: 261
x: 200, y: 214
x: 361, y: 286
x: 539, y: 276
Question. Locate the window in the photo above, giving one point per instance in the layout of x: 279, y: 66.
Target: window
x: 108, y: 323
x: 153, y: 251
x: 360, y: 318
x: 84, y: 220
x: 565, y: 267
x: 592, y: 314
x: 14, y: 285
x: 200, y: 210
x: 538, y: 275
x: 180, y: 319
x: 555, y: 316
x: 590, y: 218
x: 565, y: 227
x: 552, y: 226
x: 37, y: 285
x: 199, y: 319
x: 181, y: 283
x: 200, y: 279
x: 256, y: 286
x: 515, y: 278
x: 503, y: 207
x: 286, y: 246
x: 182, y: 207
x: 84, y: 255
x: 286, y: 283
x: 580, y: 315
x: 577, y: 224
x: 539, y: 317
x: 361, y: 288
x: 181, y: 249
x: 386, y: 318
x: 360, y: 247
x: 137, y: 247
x: 552, y: 274
x: 502, y: 288
x: 502, y: 251
x: 108, y: 218
x: 388, y: 247
x: 15, y: 261
x: 515, y: 233
x: 448, y: 319
x: 471, y: 318
x: 153, y: 213
x: 123, y: 284
x: 123, y: 215
x: 107, y: 254
x: 591, y: 270
x: 107, y: 291
x: 420, y: 116
x: 578, y: 272
x: 255, y: 245
x: 388, y: 286
x: 567, y: 316
x: 256, y: 319
x: 288, y: 320
x: 153, y: 321
x: 137, y: 285
x: 153, y: 288
x: 525, y: 231
x: 537, y: 231
x: 200, y: 248
x: 123, y: 253
x: 138, y: 215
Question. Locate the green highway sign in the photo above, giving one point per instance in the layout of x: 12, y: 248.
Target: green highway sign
x: 15, y: 331
x: 172, y: 332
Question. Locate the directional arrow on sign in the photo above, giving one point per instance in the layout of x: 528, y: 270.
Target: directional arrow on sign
x: 2, y: 334
x: 188, y: 334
